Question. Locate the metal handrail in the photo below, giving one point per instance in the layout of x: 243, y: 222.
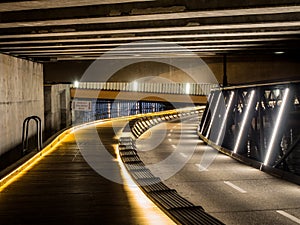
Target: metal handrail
x: 38, y: 132
x: 162, y: 88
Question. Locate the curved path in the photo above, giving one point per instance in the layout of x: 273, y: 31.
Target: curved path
x: 228, y: 190
x: 62, y: 188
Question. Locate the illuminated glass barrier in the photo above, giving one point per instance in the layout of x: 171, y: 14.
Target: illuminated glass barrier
x: 260, y: 122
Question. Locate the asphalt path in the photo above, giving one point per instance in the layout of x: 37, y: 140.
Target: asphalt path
x: 77, y: 184
x: 227, y: 189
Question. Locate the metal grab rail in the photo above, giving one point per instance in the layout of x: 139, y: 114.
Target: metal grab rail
x: 38, y: 132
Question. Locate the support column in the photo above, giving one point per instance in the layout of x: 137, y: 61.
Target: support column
x: 225, y: 83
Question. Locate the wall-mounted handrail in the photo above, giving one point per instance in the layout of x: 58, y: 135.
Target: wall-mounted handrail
x: 38, y: 122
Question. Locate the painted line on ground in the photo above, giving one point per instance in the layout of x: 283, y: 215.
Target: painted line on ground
x: 169, y: 139
x: 235, y: 187
x: 183, y: 155
x: 174, y: 146
x: 201, y: 168
x: 287, y: 215
x: 169, y: 135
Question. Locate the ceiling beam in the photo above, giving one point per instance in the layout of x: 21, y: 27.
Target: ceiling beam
x: 273, y: 25
x: 195, y: 53
x: 78, y: 46
x: 46, y: 4
x: 156, y: 17
x: 134, y: 49
x: 232, y: 35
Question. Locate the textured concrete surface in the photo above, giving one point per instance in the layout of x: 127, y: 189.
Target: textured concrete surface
x: 241, y: 69
x: 21, y: 95
x: 57, y: 107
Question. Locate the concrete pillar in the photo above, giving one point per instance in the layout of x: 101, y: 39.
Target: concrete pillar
x: 57, y: 108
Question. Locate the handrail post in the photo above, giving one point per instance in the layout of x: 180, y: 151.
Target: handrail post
x: 25, y: 140
x: 24, y: 134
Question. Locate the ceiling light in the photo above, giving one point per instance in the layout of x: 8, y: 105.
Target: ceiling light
x: 76, y: 84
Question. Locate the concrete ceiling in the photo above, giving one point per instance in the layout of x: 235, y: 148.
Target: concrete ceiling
x: 60, y: 30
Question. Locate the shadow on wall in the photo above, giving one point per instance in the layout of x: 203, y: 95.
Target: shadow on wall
x: 16, y: 153
x: 57, y: 108
x: 21, y: 94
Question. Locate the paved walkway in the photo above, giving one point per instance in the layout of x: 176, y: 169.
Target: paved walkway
x: 62, y: 188
x: 228, y: 190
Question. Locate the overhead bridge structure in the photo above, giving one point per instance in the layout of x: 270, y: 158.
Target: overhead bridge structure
x: 159, y: 92
x: 115, y: 99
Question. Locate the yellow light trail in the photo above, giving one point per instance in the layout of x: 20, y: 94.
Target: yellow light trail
x: 21, y: 170
x: 148, y: 212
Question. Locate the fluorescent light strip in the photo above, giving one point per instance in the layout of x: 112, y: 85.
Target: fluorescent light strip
x: 187, y: 88
x: 244, y: 121
x: 210, y: 99
x: 225, y: 117
x: 213, y: 115
x: 275, y: 130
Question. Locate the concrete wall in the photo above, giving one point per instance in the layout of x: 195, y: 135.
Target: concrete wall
x: 256, y: 68
x: 240, y: 69
x: 150, y: 69
x: 21, y: 96
x: 57, y: 108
